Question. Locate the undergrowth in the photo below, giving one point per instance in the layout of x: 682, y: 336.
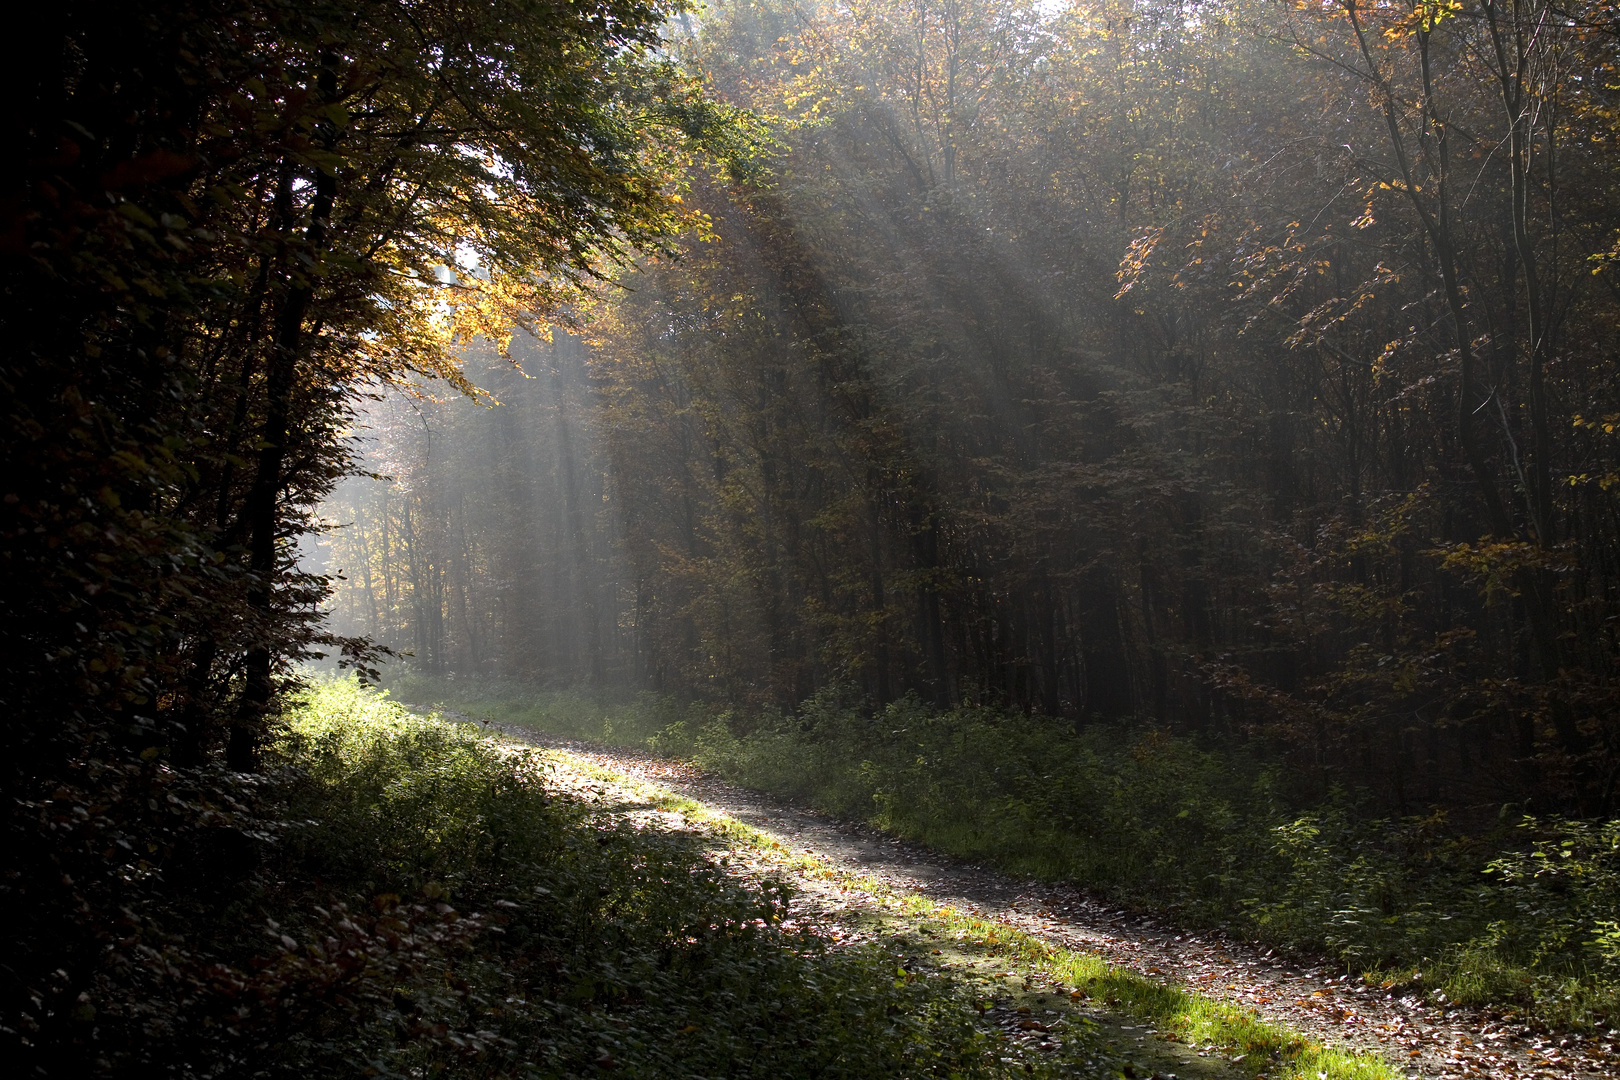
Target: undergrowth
x: 543, y: 936
x: 1271, y: 1050
x: 1526, y: 919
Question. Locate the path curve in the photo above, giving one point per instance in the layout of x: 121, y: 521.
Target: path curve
x: 1427, y: 1040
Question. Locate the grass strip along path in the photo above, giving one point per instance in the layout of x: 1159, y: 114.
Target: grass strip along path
x: 444, y: 904
x: 1042, y: 1009
x: 1062, y: 934
x: 1030, y: 989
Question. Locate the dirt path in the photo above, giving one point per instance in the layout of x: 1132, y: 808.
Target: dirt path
x: 1424, y: 1039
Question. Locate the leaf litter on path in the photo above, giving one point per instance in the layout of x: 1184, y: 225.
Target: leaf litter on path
x: 1421, y: 1038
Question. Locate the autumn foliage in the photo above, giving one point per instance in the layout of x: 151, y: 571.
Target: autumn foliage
x: 1242, y: 368
x: 220, y: 224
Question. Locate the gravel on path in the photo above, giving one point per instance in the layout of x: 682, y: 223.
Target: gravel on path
x: 1425, y: 1039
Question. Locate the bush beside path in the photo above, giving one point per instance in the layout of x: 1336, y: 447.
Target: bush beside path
x: 1394, y: 1024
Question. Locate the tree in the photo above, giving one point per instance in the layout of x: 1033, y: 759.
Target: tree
x: 1215, y: 366
x: 222, y: 222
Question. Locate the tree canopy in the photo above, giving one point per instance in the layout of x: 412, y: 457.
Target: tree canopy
x: 1240, y: 373
x: 223, y: 225
x: 1242, y: 367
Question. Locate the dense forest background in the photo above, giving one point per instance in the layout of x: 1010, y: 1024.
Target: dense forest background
x: 1243, y: 369
x: 1169, y: 447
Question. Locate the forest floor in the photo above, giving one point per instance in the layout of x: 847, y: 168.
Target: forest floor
x: 1417, y: 1037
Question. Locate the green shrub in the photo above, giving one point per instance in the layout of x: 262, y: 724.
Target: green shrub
x: 1529, y: 919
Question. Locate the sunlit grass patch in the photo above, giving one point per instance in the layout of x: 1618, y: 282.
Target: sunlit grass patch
x: 581, y: 939
x: 1521, y: 920
x: 1262, y: 1048
x: 1265, y: 1048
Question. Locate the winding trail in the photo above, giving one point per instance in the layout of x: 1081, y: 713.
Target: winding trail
x: 1424, y: 1039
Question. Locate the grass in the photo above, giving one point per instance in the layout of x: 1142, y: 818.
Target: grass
x: 518, y: 931
x: 1522, y: 920
x: 1273, y: 1050
x: 440, y: 905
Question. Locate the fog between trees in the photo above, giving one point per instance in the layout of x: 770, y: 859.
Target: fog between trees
x: 1193, y: 426
x: 1242, y: 369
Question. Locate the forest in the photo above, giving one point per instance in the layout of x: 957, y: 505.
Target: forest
x: 1168, y: 449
